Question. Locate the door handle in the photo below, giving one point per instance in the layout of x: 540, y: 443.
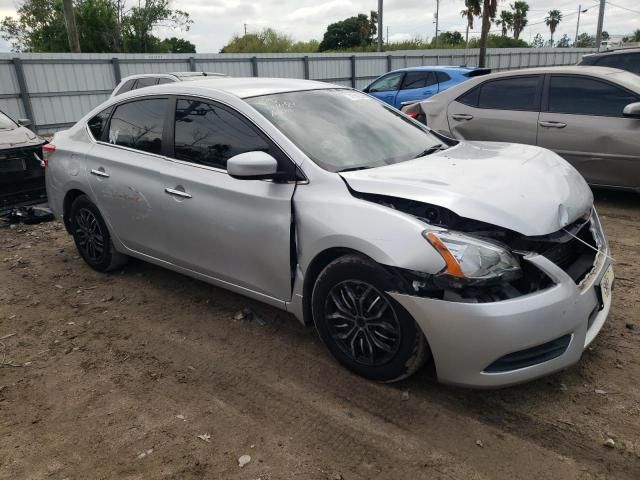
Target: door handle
x: 552, y: 124
x: 462, y: 116
x: 99, y: 172
x: 177, y: 193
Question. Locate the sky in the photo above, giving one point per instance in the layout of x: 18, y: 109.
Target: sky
x: 215, y: 21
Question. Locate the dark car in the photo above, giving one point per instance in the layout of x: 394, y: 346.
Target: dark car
x: 624, y: 59
x: 21, y: 168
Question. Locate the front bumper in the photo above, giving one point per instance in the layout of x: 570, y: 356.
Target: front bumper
x: 465, y: 338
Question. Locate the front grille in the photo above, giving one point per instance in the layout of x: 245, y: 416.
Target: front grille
x: 573, y: 252
x: 530, y: 356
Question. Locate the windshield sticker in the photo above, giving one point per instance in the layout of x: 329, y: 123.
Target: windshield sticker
x: 278, y: 108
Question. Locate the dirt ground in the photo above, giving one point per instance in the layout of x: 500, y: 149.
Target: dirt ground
x: 146, y: 374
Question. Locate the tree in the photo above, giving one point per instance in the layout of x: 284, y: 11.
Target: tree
x: 450, y: 38
x: 564, y: 42
x: 176, y: 45
x: 472, y: 10
x: 505, y: 21
x: 520, y: 10
x: 489, y: 9
x: 585, y: 40
x: 636, y: 36
x: 498, y: 41
x: 537, y: 42
x: 351, y: 32
x: 604, y: 35
x: 553, y: 19
x: 267, y: 41
x: 103, y: 26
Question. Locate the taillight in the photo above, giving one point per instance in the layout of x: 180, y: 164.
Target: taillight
x: 47, y: 152
x: 412, y: 114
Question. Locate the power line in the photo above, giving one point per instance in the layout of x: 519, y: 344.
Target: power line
x: 624, y: 8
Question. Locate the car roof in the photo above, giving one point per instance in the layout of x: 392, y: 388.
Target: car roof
x: 435, y: 67
x: 242, y: 87
x: 627, y: 79
x: 172, y: 74
x: 615, y: 51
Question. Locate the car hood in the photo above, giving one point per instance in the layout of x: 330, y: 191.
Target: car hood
x: 19, y: 137
x: 523, y: 188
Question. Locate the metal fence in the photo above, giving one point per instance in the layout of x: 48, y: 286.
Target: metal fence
x: 55, y: 90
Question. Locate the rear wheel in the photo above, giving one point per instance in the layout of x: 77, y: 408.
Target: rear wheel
x: 92, y: 238
x: 365, y: 329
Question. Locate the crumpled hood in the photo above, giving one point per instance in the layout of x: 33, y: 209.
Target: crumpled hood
x: 18, y: 137
x: 523, y: 188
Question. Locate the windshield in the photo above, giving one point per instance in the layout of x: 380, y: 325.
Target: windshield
x: 6, y: 123
x: 344, y: 129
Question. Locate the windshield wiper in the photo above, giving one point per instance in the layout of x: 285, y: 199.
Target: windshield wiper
x: 353, y: 169
x: 430, y: 150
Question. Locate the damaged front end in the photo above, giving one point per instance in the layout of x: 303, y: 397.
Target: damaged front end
x: 486, y: 263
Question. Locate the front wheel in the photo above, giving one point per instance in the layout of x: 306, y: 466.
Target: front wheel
x: 364, y: 328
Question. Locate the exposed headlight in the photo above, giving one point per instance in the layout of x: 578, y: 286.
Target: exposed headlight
x: 470, y: 258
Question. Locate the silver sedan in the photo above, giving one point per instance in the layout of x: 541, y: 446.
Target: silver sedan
x: 590, y: 116
x: 398, y: 244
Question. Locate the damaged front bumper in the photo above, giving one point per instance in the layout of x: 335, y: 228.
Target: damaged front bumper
x: 507, y: 342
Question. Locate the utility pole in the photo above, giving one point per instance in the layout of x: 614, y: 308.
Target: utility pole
x: 72, y: 29
x: 600, y: 22
x: 437, y: 12
x: 387, y: 34
x: 575, y: 39
x: 245, y: 28
x: 380, y: 25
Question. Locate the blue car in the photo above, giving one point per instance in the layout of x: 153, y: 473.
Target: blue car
x: 408, y: 85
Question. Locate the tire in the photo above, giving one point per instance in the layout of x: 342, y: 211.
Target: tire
x: 373, y: 336
x: 92, y: 238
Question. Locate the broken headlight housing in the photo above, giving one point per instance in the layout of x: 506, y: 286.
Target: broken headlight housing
x: 470, y: 260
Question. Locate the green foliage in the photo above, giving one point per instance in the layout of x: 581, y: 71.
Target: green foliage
x: 268, y: 41
x: 176, y: 45
x: 498, y: 41
x: 537, y: 42
x: 449, y: 39
x: 349, y: 33
x: 553, y: 19
x: 103, y: 26
x: 604, y: 35
x: 585, y: 40
x: 505, y: 22
x: 636, y: 36
x: 564, y: 42
x: 520, y: 20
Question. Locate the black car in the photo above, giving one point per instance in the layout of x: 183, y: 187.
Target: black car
x: 624, y: 59
x: 21, y: 168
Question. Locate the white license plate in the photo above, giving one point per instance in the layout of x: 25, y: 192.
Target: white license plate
x: 606, y: 284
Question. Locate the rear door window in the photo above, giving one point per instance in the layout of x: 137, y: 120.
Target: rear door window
x: 520, y: 93
x: 443, y: 77
x: 207, y: 134
x: 418, y: 80
x: 587, y: 96
x: 126, y: 86
x: 623, y: 61
x: 164, y: 80
x: 138, y: 125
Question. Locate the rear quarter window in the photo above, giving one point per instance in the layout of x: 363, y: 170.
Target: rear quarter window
x: 96, y: 124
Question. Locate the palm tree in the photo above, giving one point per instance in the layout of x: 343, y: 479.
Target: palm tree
x: 552, y: 21
x: 505, y: 21
x: 489, y: 9
x: 520, y: 10
x: 473, y: 10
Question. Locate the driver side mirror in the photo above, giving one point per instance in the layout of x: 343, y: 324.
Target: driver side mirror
x: 255, y: 165
x: 24, y: 122
x: 632, y: 110
x: 366, y: 89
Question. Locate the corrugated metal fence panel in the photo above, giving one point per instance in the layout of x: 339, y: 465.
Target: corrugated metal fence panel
x: 63, y: 87
x: 233, y: 69
x: 282, y: 68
